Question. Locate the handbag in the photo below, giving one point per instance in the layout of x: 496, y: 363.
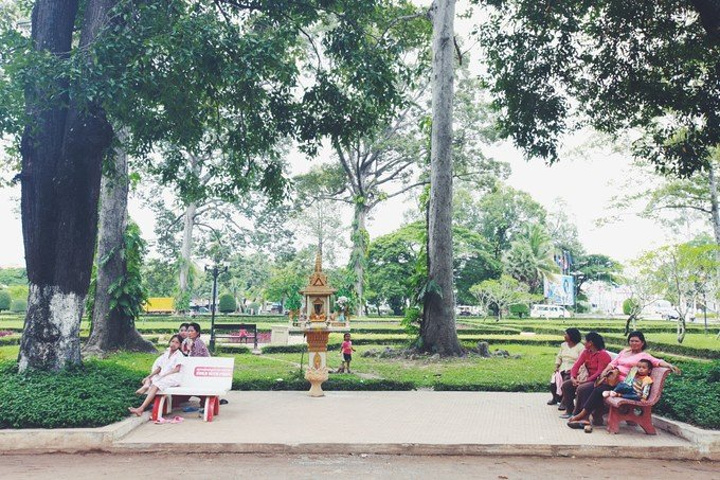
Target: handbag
x: 558, y: 380
x: 611, y: 378
x: 583, y: 374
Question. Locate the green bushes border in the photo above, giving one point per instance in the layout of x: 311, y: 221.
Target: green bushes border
x: 93, y: 395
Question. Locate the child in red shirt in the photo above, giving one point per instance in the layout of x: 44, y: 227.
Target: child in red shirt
x: 346, y: 349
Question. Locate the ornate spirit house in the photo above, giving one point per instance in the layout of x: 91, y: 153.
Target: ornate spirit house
x: 316, y: 321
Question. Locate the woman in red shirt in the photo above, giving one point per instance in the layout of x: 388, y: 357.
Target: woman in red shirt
x: 595, y: 358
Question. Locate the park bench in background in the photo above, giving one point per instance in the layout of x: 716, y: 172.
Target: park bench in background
x: 204, y: 377
x: 623, y: 409
x: 237, y: 332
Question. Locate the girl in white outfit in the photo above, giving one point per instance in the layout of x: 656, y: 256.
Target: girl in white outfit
x: 165, y: 374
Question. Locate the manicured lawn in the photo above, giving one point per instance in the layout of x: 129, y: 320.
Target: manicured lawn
x: 529, y: 372
x: 9, y: 352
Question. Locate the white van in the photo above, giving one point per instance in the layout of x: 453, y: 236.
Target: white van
x: 549, y: 311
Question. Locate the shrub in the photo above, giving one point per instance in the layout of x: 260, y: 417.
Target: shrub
x: 630, y: 305
x: 5, y: 300
x: 227, y: 303
x: 694, y: 396
x: 232, y: 349
x: 93, y: 395
x: 300, y: 347
x: 520, y: 310
x: 18, y: 306
x: 294, y: 381
x: 253, y: 308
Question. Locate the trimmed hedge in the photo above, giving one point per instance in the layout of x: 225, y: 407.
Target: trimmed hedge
x: 93, y: 395
x: 10, y: 340
x: 514, y: 387
x: 334, y: 383
x: 232, y: 348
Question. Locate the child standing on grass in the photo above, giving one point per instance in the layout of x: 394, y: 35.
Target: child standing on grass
x: 346, y: 348
x: 637, y: 383
x: 165, y: 374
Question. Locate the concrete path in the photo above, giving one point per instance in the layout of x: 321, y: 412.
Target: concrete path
x: 420, y: 423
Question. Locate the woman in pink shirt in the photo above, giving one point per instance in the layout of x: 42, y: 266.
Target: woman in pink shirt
x: 629, y: 357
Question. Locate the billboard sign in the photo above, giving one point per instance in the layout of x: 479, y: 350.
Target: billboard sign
x: 560, y: 289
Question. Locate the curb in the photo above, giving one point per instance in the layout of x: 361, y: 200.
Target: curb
x: 706, y: 441
x: 414, y: 449
x: 68, y: 440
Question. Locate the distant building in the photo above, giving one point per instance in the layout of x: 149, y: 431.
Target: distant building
x: 605, y: 298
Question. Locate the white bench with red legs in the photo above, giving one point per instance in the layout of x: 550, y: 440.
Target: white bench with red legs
x: 204, y: 377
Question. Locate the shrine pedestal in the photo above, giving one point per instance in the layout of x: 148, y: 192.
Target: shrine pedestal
x: 317, y: 371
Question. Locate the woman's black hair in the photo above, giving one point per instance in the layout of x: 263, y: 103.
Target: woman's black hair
x: 596, y: 340
x: 638, y: 334
x: 196, y: 327
x: 180, y: 339
x: 184, y: 324
x: 574, y: 334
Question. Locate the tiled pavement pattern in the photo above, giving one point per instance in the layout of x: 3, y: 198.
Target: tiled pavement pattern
x: 422, y: 422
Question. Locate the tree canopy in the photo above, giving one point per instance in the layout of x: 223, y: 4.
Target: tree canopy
x: 648, y: 65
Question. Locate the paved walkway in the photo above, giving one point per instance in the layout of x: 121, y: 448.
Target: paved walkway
x: 422, y: 422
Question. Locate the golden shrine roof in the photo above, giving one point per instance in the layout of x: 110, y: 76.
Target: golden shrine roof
x: 318, y: 282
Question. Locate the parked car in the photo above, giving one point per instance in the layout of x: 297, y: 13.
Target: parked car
x: 549, y: 311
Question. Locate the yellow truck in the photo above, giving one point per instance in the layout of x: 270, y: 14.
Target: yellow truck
x: 159, y: 305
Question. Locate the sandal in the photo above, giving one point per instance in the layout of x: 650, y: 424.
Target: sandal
x: 588, y: 428
x: 577, y: 425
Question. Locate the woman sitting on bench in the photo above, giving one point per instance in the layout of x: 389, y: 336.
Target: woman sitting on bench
x: 165, y: 374
x: 198, y: 347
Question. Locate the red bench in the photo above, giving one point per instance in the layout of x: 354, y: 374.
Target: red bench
x: 623, y: 409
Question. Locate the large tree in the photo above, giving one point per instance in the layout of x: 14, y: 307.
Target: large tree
x: 437, y: 332
x: 395, y: 161
x: 166, y: 71
x: 62, y: 152
x: 118, y: 292
x: 500, y: 215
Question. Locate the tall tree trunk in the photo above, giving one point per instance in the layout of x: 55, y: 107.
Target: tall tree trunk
x: 111, y: 328
x: 714, y: 200
x: 62, y: 150
x: 438, y: 331
x: 359, y: 254
x: 186, y: 248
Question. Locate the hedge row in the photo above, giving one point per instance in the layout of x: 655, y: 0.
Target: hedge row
x: 512, y: 387
x: 10, y: 340
x: 619, y: 329
x: 346, y: 383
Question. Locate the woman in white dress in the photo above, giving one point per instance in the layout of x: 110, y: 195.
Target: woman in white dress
x: 165, y: 374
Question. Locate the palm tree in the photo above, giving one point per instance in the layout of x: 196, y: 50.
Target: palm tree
x: 530, y: 257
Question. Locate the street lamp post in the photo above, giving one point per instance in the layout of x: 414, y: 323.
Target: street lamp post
x: 215, y: 270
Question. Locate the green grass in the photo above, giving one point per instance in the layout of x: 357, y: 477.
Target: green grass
x: 527, y: 373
